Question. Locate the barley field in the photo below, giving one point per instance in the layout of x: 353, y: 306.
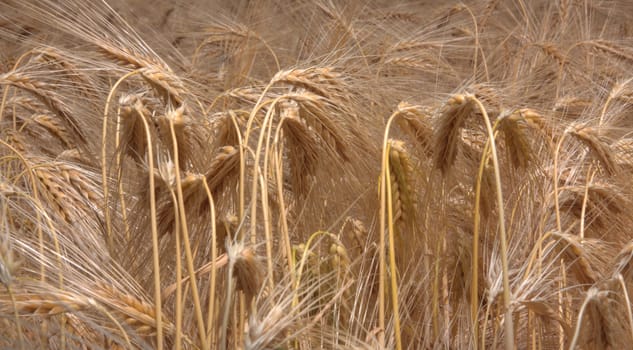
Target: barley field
x: 363, y: 174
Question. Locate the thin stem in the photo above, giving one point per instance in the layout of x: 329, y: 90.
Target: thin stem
x: 474, y: 287
x: 267, y: 233
x: 214, y: 254
x: 509, y: 328
x: 227, y: 304
x: 104, y: 170
x: 179, y: 302
x: 555, y: 176
x: 392, y: 255
x: 256, y: 169
x: 154, y: 227
x: 119, y: 168
x: 386, y: 206
x: 185, y: 235
x: 282, y: 214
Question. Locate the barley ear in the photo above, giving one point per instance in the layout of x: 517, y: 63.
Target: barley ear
x: 600, y: 324
x: 575, y: 255
x: 513, y: 126
x: 451, y: 120
x: 248, y: 272
x: 415, y: 122
x: 546, y: 311
x: 402, y: 184
x: 598, y: 145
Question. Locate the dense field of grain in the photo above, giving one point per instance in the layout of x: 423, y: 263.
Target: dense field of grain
x: 321, y: 174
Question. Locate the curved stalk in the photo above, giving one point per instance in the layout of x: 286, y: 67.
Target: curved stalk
x: 509, y: 327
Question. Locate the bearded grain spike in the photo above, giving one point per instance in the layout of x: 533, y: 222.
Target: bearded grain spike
x: 167, y: 84
x: 552, y: 51
x: 317, y: 116
x: 340, y: 265
x: 55, y: 128
x: 136, y: 313
x: 599, y: 147
x: 70, y: 191
x: 59, y: 200
x: 514, y: 128
x: 446, y: 139
x: 222, y: 167
x: 84, y: 186
x: 611, y: 48
x: 133, y: 138
x: 226, y: 132
x: 49, y: 98
x: 158, y: 74
x: 572, y: 107
x: 64, y: 60
x: 16, y: 140
x: 575, y: 254
x: 27, y: 103
x: 302, y: 149
x: 402, y: 186
x: 602, y: 325
x: 42, y: 304
x: 415, y: 121
x: 548, y: 312
x: 359, y: 235
x: 248, y: 271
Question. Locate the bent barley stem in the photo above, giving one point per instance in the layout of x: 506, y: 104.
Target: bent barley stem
x: 474, y: 285
x: 277, y: 161
x: 509, y: 328
x: 104, y: 170
x: 179, y: 303
x: 214, y: 254
x: 392, y: 254
x: 154, y: 227
x: 555, y: 177
x: 185, y: 236
x: 386, y: 209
